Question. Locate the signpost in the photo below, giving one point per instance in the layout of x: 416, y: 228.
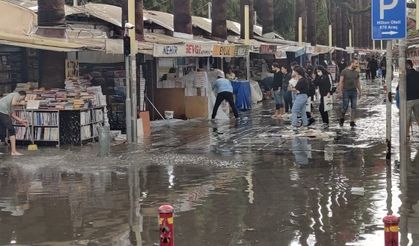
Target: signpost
x: 389, y: 22
x: 388, y: 19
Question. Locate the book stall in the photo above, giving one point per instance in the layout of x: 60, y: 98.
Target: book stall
x: 182, y: 87
x: 70, y: 116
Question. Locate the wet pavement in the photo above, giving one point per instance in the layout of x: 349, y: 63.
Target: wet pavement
x: 249, y: 183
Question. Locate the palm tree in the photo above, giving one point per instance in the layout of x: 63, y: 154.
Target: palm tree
x: 219, y: 15
x: 182, y: 16
x: 139, y: 20
x: 301, y: 11
x: 265, y: 11
x: 311, y: 21
x: 51, y: 12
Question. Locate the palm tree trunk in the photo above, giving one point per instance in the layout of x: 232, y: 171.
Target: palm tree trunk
x: 219, y: 17
x: 301, y: 11
x: 333, y: 20
x: 311, y: 21
x: 266, y: 13
x: 51, y: 12
x: 340, y: 27
x: 52, y: 64
x: 345, y: 28
x: 139, y: 20
x: 251, y: 17
x: 182, y: 16
x: 124, y: 17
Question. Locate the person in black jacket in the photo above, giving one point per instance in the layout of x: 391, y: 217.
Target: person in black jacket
x: 277, y: 90
x: 323, y: 81
x: 286, y: 92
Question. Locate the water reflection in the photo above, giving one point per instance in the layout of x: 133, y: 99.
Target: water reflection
x: 301, y: 151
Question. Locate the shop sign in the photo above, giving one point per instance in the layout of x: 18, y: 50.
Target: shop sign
x: 281, y: 54
x: 268, y: 49
x: 182, y: 50
x: 242, y: 50
x: 167, y: 50
x: 198, y: 50
x: 224, y: 50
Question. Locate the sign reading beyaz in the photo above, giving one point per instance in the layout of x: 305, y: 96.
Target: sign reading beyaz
x: 388, y: 19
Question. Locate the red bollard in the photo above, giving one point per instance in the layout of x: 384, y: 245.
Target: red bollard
x: 167, y: 236
x: 391, y: 230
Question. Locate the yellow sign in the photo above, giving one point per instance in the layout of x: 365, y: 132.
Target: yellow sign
x: 224, y: 51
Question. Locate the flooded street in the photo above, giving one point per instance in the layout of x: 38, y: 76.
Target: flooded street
x: 248, y: 183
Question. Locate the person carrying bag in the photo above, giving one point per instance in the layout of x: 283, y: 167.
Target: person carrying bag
x: 323, y: 80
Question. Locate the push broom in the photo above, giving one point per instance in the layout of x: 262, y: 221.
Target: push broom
x: 33, y: 146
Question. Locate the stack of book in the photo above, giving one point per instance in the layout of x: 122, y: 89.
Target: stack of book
x: 78, y: 94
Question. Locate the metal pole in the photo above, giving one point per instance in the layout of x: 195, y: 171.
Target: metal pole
x: 389, y: 61
x: 134, y: 97
x: 350, y: 43
x: 417, y: 15
x: 133, y: 84
x: 247, y: 38
x: 209, y: 10
x: 128, y: 100
x: 300, y: 31
x: 403, y: 112
x: 330, y: 36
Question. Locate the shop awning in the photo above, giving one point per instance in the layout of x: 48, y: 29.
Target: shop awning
x: 36, y: 46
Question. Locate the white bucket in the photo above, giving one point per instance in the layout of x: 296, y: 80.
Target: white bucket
x: 169, y: 114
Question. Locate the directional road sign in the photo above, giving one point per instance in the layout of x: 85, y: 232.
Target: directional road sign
x: 388, y: 19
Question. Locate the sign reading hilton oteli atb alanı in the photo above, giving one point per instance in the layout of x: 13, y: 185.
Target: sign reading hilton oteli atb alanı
x: 388, y: 19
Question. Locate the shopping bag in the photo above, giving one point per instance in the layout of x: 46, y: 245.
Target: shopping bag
x: 308, y: 105
x: 328, y: 103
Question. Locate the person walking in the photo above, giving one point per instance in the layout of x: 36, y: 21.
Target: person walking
x: 373, y: 68
x: 277, y: 91
x: 299, y: 106
x: 342, y: 65
x: 287, y: 93
x: 412, y: 93
x: 323, y: 81
x: 383, y: 66
x: 350, y: 88
x: 7, y: 114
x: 224, y: 91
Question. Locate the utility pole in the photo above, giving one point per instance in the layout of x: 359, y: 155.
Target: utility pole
x: 389, y: 75
x: 403, y: 112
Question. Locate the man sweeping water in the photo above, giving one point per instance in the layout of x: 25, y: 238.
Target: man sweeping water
x: 224, y: 90
x: 7, y: 114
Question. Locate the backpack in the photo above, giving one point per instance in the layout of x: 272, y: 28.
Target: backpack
x: 311, y: 88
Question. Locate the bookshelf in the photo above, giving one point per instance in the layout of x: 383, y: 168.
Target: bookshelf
x: 60, y: 127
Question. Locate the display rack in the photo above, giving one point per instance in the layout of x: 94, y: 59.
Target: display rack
x: 60, y: 127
